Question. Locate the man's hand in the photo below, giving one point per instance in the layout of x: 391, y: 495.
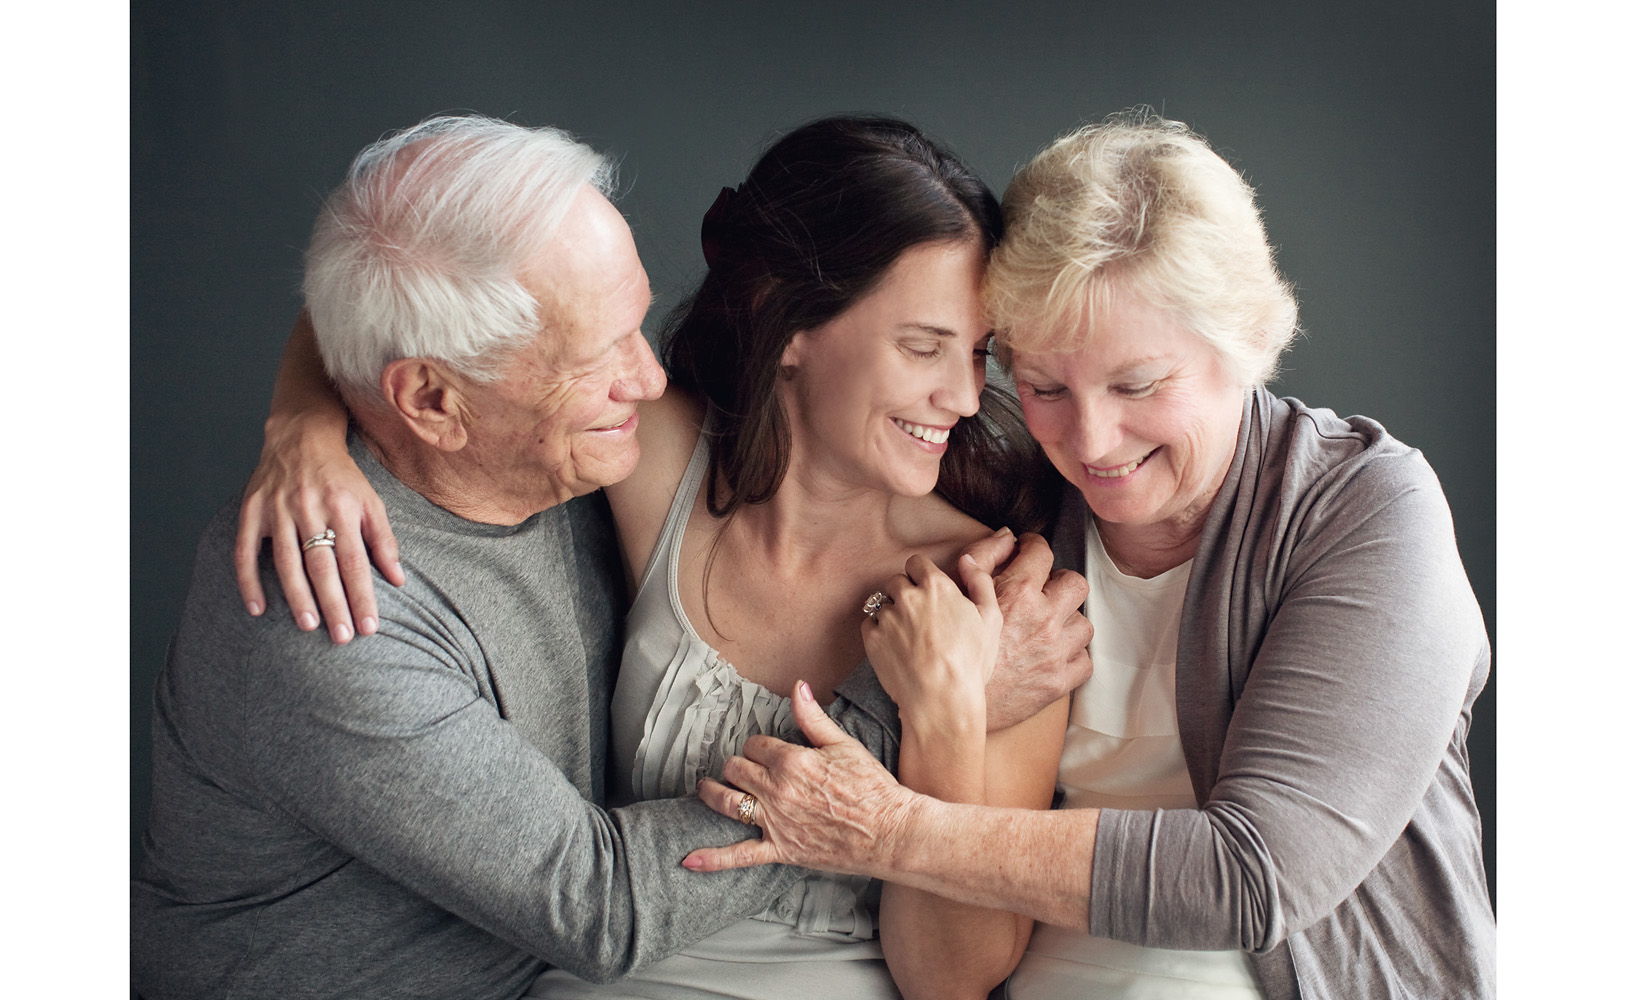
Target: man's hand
x: 1044, y: 650
x: 830, y: 807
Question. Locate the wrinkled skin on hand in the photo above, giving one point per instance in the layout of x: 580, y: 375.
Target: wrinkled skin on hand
x: 830, y: 807
x: 1043, y: 653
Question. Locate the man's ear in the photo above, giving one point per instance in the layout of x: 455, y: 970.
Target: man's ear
x: 428, y: 399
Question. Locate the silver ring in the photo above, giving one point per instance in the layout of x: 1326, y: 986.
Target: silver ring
x: 325, y: 540
x: 747, y: 810
x: 874, y: 603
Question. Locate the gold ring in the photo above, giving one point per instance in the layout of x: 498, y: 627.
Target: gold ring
x: 747, y: 810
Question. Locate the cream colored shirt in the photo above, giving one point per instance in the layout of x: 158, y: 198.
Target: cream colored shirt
x: 1123, y: 751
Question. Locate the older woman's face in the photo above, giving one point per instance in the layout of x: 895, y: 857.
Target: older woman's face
x: 1143, y: 420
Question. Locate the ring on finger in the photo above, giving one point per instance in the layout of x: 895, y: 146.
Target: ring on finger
x: 875, y: 603
x: 325, y: 540
x: 747, y: 809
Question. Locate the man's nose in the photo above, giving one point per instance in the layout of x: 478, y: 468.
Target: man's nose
x: 644, y: 378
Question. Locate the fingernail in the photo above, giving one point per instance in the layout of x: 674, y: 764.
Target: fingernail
x: 692, y: 863
x: 969, y: 559
x: 399, y: 571
x: 697, y: 785
x: 341, y: 633
x: 307, y: 621
x: 806, y: 692
x: 369, y: 626
x: 254, y: 609
x: 1004, y: 530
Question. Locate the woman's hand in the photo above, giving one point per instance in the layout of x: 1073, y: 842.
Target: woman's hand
x: 931, y: 644
x: 305, y: 484
x: 830, y: 807
x: 1043, y: 654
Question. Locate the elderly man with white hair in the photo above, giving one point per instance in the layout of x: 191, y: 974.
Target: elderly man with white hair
x: 421, y: 813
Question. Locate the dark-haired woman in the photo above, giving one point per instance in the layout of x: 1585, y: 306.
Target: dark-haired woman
x: 827, y: 375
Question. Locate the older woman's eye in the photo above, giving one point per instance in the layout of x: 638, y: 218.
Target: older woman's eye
x: 1134, y: 390
x: 1042, y: 392
x: 923, y: 350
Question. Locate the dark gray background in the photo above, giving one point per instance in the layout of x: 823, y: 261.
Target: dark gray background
x: 1369, y: 134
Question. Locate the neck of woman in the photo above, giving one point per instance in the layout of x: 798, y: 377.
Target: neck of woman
x: 1149, y: 550
x: 807, y: 524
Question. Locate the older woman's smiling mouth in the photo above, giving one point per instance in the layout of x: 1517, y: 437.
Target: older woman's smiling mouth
x: 1118, y: 471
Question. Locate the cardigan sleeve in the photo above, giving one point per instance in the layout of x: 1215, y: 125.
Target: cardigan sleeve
x: 1368, y: 642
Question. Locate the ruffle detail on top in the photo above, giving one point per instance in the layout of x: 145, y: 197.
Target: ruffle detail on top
x: 702, y: 714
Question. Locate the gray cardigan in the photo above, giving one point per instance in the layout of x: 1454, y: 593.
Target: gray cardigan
x: 1330, y: 653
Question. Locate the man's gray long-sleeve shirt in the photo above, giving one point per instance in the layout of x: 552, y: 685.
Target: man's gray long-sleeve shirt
x: 418, y: 813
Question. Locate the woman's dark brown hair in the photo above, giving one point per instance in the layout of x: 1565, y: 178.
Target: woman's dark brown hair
x: 820, y: 220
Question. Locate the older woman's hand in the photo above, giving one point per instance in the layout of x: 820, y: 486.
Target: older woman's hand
x: 930, y: 644
x: 830, y: 807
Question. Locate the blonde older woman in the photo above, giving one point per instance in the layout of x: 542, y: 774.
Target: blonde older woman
x: 1265, y: 783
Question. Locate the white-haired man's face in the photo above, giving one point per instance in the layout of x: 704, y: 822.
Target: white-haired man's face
x: 561, y: 422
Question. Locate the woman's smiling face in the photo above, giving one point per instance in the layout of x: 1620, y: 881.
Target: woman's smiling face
x: 873, y: 394
x: 1143, y: 419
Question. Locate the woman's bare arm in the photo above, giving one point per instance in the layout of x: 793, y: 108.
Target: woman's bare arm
x: 305, y: 484
x: 938, y: 947
x: 934, y: 647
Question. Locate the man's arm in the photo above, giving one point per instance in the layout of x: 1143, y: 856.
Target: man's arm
x: 864, y: 711
x: 385, y: 750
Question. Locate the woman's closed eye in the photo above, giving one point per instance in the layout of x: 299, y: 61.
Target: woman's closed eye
x: 1043, y: 391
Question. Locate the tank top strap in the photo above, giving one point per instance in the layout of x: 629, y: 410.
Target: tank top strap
x: 681, y: 507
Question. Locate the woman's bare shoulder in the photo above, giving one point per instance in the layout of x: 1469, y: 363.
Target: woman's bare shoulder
x: 931, y: 525
x: 667, y: 429
x: 669, y: 426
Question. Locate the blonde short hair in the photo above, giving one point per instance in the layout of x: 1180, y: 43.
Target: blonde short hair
x: 1143, y: 202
